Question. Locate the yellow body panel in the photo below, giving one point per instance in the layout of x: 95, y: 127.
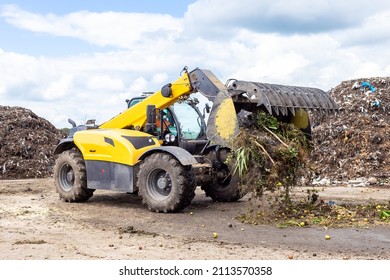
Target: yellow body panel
x: 300, y: 119
x: 114, y: 145
x: 225, y: 119
x: 136, y: 115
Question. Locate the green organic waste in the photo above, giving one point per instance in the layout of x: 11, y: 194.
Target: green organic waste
x: 385, y: 215
x: 269, y: 157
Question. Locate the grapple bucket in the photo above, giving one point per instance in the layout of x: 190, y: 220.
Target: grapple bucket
x: 281, y: 99
x: 287, y: 103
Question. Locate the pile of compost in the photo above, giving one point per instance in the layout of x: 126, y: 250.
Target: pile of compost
x: 27, y: 143
x: 353, y: 146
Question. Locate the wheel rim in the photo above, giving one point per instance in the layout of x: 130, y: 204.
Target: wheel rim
x: 159, y: 184
x: 66, y: 177
x: 224, y: 178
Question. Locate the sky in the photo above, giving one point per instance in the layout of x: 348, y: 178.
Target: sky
x: 83, y: 59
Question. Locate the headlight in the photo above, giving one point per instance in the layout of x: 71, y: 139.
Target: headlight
x: 170, y: 137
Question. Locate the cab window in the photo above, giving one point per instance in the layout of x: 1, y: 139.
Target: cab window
x: 190, y: 123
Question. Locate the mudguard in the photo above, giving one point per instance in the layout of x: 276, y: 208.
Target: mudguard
x: 63, y: 145
x: 184, y: 157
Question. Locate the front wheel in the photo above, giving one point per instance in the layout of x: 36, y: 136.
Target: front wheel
x: 164, y: 184
x: 70, y: 177
x: 225, y: 187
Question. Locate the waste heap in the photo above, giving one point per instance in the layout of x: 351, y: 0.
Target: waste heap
x: 353, y: 146
x: 26, y: 144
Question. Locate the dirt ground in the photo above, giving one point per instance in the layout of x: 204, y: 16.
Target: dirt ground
x: 35, y: 224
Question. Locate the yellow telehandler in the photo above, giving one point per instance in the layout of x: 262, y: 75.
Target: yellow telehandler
x: 162, y: 148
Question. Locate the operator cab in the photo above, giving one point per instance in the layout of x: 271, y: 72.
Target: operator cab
x: 182, y: 124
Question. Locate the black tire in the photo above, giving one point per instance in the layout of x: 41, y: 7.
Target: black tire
x: 225, y: 188
x: 70, y: 177
x: 164, y: 184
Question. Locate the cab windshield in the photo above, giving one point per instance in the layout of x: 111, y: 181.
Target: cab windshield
x: 189, y: 120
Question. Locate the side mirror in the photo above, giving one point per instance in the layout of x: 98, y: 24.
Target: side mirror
x: 208, y: 108
x: 91, y: 123
x: 151, y: 126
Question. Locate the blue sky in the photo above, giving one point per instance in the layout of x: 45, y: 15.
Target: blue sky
x: 173, y: 7
x: 82, y: 59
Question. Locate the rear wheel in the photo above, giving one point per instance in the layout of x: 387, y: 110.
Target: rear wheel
x: 70, y: 177
x: 164, y: 184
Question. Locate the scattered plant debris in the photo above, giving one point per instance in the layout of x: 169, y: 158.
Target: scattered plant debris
x: 321, y: 213
x: 25, y: 241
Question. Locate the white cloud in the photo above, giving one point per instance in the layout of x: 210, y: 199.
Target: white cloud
x: 159, y: 78
x: 105, y: 83
x: 59, y: 88
x: 104, y: 29
x: 374, y: 29
x: 139, y: 85
x: 17, y: 70
x: 281, y: 16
